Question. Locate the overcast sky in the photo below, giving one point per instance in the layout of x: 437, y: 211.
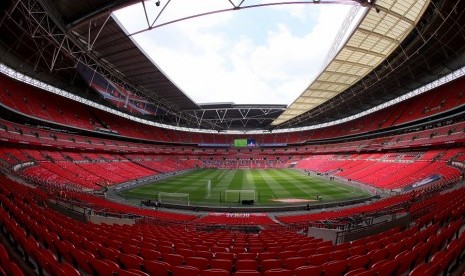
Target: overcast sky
x: 266, y: 55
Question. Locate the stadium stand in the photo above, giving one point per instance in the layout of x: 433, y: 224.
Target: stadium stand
x: 295, y: 253
x: 59, y: 158
x: 377, y: 206
x: 46, y: 106
x: 67, y: 245
x: 379, y: 171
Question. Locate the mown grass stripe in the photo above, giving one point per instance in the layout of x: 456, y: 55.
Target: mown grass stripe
x: 269, y: 184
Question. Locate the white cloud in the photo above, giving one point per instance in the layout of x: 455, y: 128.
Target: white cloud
x: 212, y: 66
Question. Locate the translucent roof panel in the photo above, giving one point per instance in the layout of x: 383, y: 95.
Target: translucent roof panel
x: 379, y: 33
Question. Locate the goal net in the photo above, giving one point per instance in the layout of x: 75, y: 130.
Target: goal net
x: 239, y: 195
x: 174, y: 198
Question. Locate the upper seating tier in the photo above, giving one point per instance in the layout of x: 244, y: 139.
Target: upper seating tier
x: 46, y: 106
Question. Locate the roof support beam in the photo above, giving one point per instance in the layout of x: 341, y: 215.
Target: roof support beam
x: 353, y: 63
x: 90, y: 44
x: 331, y: 82
x: 342, y: 74
x: 311, y: 97
x: 380, y: 36
x: 364, y: 51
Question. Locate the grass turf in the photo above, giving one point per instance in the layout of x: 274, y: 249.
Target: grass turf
x: 270, y: 186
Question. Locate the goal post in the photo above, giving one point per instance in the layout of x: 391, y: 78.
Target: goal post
x: 174, y: 198
x: 209, y: 188
x: 239, y: 195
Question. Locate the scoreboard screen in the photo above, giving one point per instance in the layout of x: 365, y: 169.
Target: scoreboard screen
x: 242, y: 143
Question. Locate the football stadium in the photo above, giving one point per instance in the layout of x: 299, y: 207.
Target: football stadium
x: 118, y: 155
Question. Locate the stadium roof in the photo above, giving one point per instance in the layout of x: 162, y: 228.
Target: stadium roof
x: 113, y: 47
x: 377, y: 36
x: 85, y: 31
x: 90, y: 22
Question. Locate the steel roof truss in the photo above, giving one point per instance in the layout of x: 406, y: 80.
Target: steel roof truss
x: 244, y: 112
x: 90, y: 44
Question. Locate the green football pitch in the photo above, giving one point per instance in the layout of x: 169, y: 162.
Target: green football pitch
x: 229, y: 187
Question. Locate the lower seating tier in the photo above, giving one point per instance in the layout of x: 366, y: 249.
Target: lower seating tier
x: 53, y: 244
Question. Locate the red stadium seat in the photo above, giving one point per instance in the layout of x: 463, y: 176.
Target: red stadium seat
x: 305, y: 252
x: 256, y: 249
x: 265, y: 255
x: 377, y: 255
x: 148, y: 254
x: 270, y: 264
x: 318, y: 259
x: 275, y: 249
x: 340, y: 254
x: 131, y: 272
x: 355, y: 272
x: 215, y: 272
x: 166, y: 249
x: 386, y: 267
x: 181, y: 245
x: 246, y: 256
x: 358, y: 250
x: 198, y: 262
x: 421, y: 269
x: 173, y: 259
x: 130, y: 249
x: 185, y: 252
x: 82, y: 259
x: 224, y: 264
x: 156, y: 267
x: 129, y: 261
x: 224, y: 255
x: 109, y: 253
x: 185, y: 271
x: 199, y: 247
x: 307, y: 270
x: 406, y: 261
x: 238, y: 250
x: 247, y: 273
x: 287, y: 254
x: 246, y: 265
x: 295, y: 262
x: 278, y: 272
x: 66, y: 269
x: 204, y: 254
x: 15, y: 270
x: 335, y: 267
x: 112, y: 265
x: 64, y: 249
x: 4, y: 258
x: 358, y: 261
x: 363, y: 272
x: 101, y: 268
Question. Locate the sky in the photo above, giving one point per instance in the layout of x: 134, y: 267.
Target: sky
x: 265, y: 55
